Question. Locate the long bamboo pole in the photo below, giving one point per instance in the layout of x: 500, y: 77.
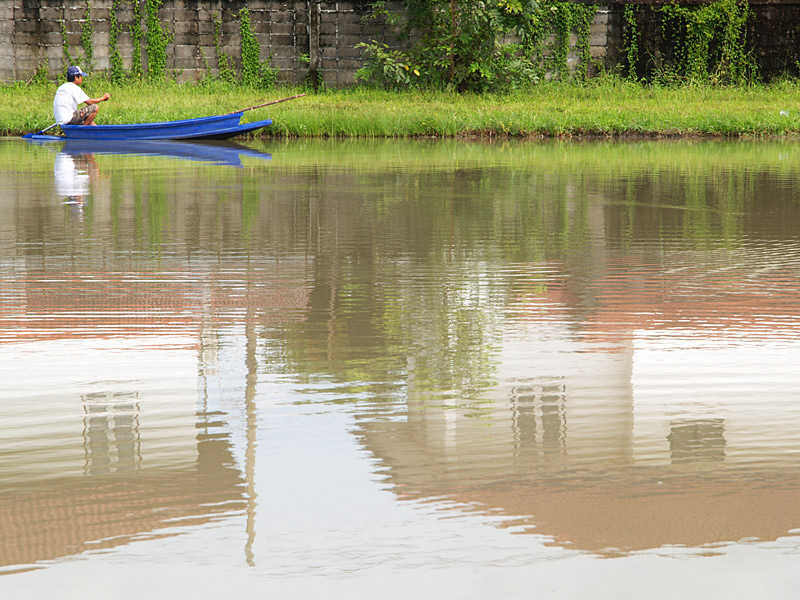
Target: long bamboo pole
x: 265, y: 104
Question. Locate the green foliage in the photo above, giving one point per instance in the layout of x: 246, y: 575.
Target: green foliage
x: 710, y: 41
x: 224, y: 63
x: 631, y: 35
x: 65, y: 53
x: 390, y: 69
x: 40, y: 75
x: 137, y: 35
x: 481, y: 44
x: 255, y: 72
x: 157, y: 40
x: 85, y: 59
x: 86, y: 35
x: 115, y: 58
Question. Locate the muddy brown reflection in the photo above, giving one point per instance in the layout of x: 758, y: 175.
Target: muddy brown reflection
x: 596, y: 341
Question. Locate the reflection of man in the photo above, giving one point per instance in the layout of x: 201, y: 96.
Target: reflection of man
x: 72, y: 177
x: 70, y: 95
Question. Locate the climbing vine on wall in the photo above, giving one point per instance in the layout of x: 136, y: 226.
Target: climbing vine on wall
x: 65, y: 53
x: 630, y: 41
x: 114, y: 56
x: 86, y: 35
x: 224, y: 63
x: 136, y: 37
x: 255, y: 72
x: 482, y: 44
x: 710, y: 40
x: 157, y: 40
x: 85, y: 59
x: 549, y: 44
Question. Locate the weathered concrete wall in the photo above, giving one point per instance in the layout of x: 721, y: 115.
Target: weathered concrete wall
x: 300, y: 37
x: 296, y: 36
x: 291, y: 33
x: 773, y: 35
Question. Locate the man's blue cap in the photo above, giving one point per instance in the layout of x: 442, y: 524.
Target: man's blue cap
x: 75, y: 71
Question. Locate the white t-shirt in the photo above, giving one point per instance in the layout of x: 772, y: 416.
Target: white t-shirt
x: 68, y: 97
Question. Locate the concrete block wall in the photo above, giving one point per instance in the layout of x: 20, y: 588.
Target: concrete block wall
x: 32, y: 34
x: 296, y: 36
x: 315, y: 37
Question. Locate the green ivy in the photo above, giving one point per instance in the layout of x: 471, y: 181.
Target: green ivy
x: 549, y: 38
x: 65, y: 53
x: 115, y: 58
x: 255, y: 73
x: 137, y: 35
x: 86, y: 35
x: 157, y: 40
x: 631, y: 35
x: 482, y: 44
x: 226, y: 71
x: 711, y: 41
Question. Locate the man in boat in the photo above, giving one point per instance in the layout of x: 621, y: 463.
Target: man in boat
x: 70, y: 95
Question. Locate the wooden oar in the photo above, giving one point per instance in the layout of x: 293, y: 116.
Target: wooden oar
x: 265, y: 104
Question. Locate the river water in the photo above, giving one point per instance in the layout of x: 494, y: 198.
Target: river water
x: 433, y: 369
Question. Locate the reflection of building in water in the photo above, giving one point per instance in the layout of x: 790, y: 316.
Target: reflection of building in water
x: 133, y: 443
x: 111, y: 433
x: 539, y: 417
x: 661, y: 416
x: 699, y: 440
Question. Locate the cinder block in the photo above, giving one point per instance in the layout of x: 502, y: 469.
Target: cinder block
x: 347, y: 80
x: 284, y: 63
x: 599, y: 39
x: 101, y: 26
x: 24, y: 41
x: 27, y: 26
x: 184, y: 63
x: 597, y: 51
x: 350, y: 29
x: 185, y: 52
x: 281, y: 17
x: 187, y: 27
x: 283, y: 52
x: 282, y: 29
x: 349, y: 52
x: 184, y: 15
x: 347, y: 41
x: 282, y: 40
x: 350, y: 65
x: 51, y: 39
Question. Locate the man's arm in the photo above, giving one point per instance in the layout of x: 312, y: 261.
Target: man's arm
x: 103, y: 98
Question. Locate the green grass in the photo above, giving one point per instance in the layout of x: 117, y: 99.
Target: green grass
x: 606, y: 106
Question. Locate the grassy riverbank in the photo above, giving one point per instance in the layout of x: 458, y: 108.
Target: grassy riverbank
x: 604, y: 107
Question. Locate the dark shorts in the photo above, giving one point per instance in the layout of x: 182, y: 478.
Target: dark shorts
x: 82, y: 114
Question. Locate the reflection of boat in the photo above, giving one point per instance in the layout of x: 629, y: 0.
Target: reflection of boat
x: 218, y: 127
x: 220, y: 153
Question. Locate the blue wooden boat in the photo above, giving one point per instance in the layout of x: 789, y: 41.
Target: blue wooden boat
x: 220, y: 127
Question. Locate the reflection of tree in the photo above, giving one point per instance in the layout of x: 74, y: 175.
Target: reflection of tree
x: 418, y: 262
x: 415, y: 267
